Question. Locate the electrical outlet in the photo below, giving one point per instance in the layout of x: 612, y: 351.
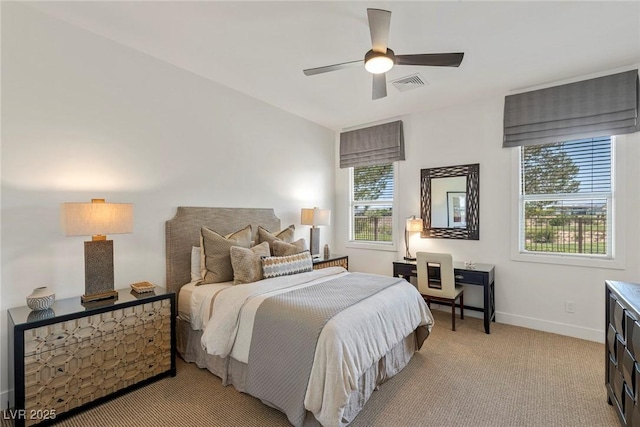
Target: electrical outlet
x: 570, y: 306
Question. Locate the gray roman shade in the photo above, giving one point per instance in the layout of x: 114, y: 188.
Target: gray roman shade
x: 374, y: 145
x: 593, y: 108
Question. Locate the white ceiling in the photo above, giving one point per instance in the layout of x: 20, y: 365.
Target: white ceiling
x: 260, y: 48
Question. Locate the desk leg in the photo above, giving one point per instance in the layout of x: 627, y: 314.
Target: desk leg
x: 487, y: 307
x: 493, y: 302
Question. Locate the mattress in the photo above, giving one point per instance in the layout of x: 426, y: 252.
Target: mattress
x: 195, y: 302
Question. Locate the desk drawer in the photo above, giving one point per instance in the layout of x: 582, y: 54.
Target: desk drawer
x: 404, y: 269
x: 470, y: 277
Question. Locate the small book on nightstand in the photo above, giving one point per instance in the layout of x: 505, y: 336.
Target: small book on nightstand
x: 142, y: 287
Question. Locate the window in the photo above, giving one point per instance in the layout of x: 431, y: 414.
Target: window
x: 372, y: 193
x: 566, y: 198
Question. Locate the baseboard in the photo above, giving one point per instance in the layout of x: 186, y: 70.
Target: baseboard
x: 553, y: 327
x: 537, y: 324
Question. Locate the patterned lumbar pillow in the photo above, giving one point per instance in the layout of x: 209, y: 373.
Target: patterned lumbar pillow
x: 265, y: 235
x: 246, y: 263
x: 280, y: 248
x: 216, y: 256
x: 275, y: 266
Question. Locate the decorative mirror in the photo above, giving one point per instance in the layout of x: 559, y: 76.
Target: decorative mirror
x: 450, y: 202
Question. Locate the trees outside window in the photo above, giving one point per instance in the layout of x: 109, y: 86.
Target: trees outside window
x: 566, y: 197
x: 372, y: 193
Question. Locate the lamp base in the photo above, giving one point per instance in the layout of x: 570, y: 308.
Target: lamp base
x: 98, y: 297
x: 314, y: 241
x: 408, y: 258
x: 98, y: 270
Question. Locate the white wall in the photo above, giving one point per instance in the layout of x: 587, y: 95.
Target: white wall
x: 84, y: 117
x: 527, y: 294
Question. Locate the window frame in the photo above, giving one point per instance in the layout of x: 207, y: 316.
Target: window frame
x: 392, y: 245
x: 615, y: 259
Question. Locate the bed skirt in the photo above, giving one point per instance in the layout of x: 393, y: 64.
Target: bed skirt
x: 233, y: 372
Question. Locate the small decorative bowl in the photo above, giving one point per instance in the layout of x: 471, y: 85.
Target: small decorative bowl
x: 41, y: 299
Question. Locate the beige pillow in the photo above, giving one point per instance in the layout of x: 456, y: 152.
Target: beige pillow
x: 246, y: 263
x: 196, y: 271
x: 216, y: 257
x: 280, y: 248
x: 265, y: 235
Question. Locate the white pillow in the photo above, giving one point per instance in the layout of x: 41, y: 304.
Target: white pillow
x: 196, y: 273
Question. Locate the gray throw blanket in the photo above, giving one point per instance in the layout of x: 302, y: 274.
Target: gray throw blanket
x: 285, y: 333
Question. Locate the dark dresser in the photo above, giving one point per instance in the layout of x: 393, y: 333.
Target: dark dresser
x: 75, y: 355
x: 622, y: 371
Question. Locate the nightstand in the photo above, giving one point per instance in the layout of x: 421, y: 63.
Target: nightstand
x: 76, y: 355
x: 334, y: 260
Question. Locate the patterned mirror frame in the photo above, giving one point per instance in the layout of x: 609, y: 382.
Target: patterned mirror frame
x: 472, y: 230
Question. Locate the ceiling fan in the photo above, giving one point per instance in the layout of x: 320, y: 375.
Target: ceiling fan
x: 381, y: 59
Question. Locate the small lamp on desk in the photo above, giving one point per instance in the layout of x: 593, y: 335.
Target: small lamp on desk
x: 97, y: 219
x: 315, y: 217
x: 412, y: 225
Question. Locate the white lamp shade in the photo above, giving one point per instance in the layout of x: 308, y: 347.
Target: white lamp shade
x: 414, y: 224
x: 90, y: 219
x: 315, y: 216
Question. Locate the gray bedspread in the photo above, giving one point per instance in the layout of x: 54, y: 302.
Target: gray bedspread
x: 285, y: 333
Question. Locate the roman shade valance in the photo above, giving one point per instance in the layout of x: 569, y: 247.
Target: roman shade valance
x: 374, y: 145
x: 587, y: 109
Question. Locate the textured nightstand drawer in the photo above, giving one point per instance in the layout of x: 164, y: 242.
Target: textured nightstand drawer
x: 611, y: 342
x: 75, y: 331
x: 618, y: 387
x: 70, y: 376
x: 627, y: 365
x: 618, y: 318
x: 635, y: 417
x: 339, y: 261
x: 636, y: 391
x: 628, y: 405
x: 632, y: 339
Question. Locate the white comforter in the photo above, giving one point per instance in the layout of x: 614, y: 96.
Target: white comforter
x: 348, y: 345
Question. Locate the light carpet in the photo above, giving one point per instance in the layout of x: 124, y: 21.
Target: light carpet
x: 512, y: 377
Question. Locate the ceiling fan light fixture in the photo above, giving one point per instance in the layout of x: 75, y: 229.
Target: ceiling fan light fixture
x: 378, y: 63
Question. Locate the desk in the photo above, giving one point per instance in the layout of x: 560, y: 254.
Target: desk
x: 481, y: 275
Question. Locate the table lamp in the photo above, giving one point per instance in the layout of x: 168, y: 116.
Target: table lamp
x: 97, y: 219
x: 412, y: 225
x: 315, y: 217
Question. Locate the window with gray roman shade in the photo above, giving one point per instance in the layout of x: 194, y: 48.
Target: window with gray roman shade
x: 592, y: 108
x: 374, y: 145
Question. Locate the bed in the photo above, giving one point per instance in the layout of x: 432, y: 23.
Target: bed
x: 332, y: 366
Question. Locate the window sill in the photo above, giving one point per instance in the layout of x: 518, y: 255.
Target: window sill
x: 593, y: 262
x: 388, y: 247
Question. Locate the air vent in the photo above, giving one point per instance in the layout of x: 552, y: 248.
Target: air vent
x: 413, y: 81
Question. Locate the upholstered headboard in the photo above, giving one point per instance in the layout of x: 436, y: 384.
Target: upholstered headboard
x: 183, y: 231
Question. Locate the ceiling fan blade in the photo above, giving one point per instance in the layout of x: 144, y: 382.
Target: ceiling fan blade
x: 379, y: 85
x: 326, y: 69
x: 431, y: 59
x: 379, y: 22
